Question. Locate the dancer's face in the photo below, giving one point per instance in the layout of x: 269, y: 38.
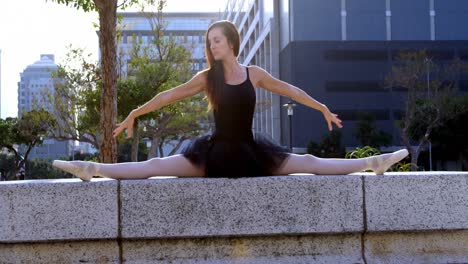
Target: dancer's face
x: 219, y: 44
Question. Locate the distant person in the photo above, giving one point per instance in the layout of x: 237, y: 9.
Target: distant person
x: 232, y: 150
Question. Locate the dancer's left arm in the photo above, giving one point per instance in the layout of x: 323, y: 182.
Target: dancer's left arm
x: 261, y: 78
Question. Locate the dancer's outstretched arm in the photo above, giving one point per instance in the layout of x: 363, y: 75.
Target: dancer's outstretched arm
x: 190, y: 88
x: 261, y: 78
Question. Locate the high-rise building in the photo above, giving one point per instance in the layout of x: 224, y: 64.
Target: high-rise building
x: 339, y: 52
x: 35, y: 80
x: 188, y: 29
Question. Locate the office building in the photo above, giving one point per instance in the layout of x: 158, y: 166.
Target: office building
x: 339, y: 52
x: 35, y: 80
x: 188, y: 29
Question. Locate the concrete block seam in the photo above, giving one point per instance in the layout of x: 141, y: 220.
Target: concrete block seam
x: 119, y: 221
x: 364, y: 220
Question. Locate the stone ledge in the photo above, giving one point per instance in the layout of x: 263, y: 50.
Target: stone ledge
x: 417, y: 201
x: 65, y: 209
x: 359, y: 218
x: 237, y: 207
x: 157, y: 208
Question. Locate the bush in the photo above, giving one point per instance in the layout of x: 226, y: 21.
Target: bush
x: 329, y: 147
x: 368, y: 151
x: 43, y: 169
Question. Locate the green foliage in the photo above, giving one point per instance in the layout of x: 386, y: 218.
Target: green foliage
x: 329, y: 147
x: 155, y: 68
x: 76, y: 98
x: 401, y: 167
x: 30, y: 129
x: 450, y: 138
x: 124, y: 150
x: 27, y: 131
x: 430, y: 86
x: 85, y: 5
x: 91, y: 5
x: 33, y: 126
x: 43, y: 169
x: 368, y: 151
x: 7, y: 133
x: 7, y: 166
x: 364, y: 152
x: 368, y: 134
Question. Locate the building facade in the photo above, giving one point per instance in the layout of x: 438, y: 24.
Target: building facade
x: 188, y: 29
x: 259, y: 31
x: 340, y: 51
x: 35, y: 80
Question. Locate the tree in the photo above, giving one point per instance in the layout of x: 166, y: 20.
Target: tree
x: 153, y: 68
x: 29, y: 131
x: 368, y: 134
x: 7, y: 163
x: 76, y: 98
x: 107, y: 10
x: 125, y: 150
x: 329, y: 147
x: 426, y: 100
x: 450, y: 138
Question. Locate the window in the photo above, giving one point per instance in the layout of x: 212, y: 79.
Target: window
x: 463, y: 85
x: 357, y: 86
x: 440, y: 54
x: 464, y: 55
x: 354, y: 114
x: 398, y: 114
x: 355, y: 55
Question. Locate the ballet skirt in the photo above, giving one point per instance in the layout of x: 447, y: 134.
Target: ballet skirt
x: 233, y: 150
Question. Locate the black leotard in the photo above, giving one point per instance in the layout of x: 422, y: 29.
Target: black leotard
x: 233, y: 150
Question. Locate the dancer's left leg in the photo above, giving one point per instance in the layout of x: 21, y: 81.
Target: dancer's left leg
x: 324, y: 166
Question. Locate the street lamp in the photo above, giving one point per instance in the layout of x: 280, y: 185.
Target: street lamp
x: 427, y: 61
x: 290, y: 105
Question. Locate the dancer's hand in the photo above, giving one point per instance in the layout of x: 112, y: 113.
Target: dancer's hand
x: 331, y: 117
x: 126, y: 124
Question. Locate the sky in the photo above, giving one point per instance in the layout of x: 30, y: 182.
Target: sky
x: 29, y: 28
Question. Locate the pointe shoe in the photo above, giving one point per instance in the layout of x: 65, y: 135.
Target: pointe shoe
x: 81, y: 169
x: 385, y: 161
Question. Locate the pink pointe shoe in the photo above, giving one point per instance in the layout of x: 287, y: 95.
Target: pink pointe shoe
x: 385, y: 161
x: 82, y: 169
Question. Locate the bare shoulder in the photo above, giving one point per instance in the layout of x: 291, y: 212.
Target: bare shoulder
x: 257, y: 74
x: 198, y: 81
x: 201, y: 76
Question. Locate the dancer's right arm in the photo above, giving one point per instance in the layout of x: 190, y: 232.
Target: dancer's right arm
x: 190, y: 88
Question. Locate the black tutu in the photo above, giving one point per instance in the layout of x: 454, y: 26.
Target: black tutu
x: 233, y: 151
x: 232, y: 158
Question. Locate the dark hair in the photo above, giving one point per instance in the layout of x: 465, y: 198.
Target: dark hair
x: 215, y: 78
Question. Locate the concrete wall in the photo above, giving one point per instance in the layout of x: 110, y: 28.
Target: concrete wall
x: 359, y: 218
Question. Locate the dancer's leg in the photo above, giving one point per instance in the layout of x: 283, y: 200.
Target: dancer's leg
x: 322, y: 166
x: 176, y: 165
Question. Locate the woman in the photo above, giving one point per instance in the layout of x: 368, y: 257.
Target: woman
x: 232, y: 151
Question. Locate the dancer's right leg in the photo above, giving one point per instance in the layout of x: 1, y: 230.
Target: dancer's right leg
x: 176, y: 165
